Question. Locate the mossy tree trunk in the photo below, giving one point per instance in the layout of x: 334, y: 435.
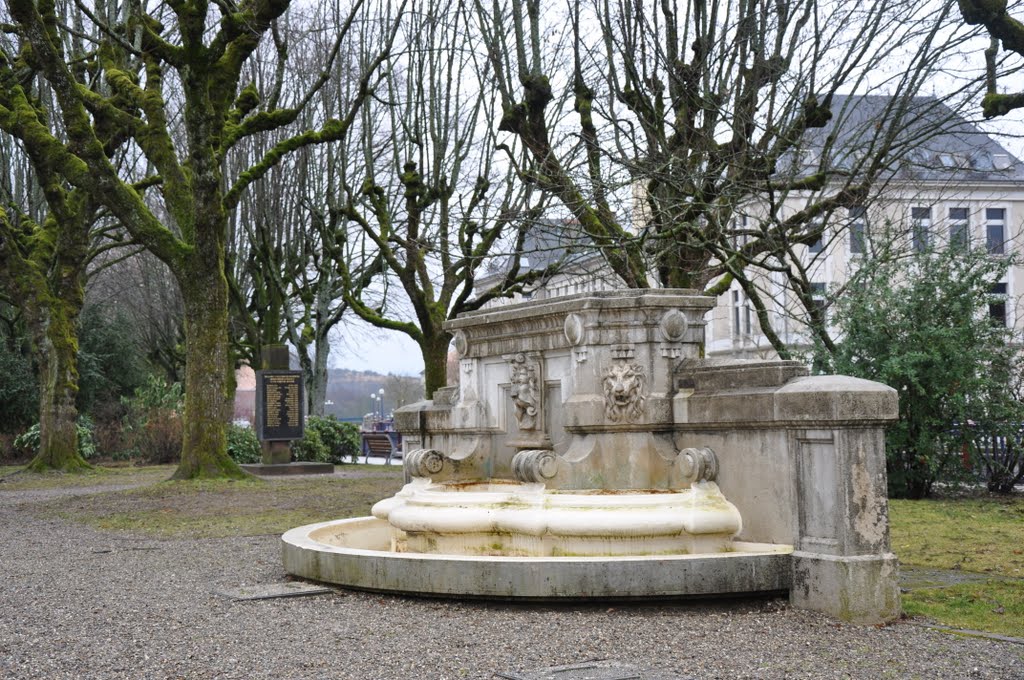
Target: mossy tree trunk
x: 57, y: 343
x: 207, y: 379
x: 42, y: 266
x: 435, y: 361
x: 204, y: 51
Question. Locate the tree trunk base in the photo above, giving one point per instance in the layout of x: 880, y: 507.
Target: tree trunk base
x: 72, y: 465
x: 211, y: 469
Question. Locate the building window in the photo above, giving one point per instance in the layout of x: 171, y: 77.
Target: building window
x: 959, y: 229
x: 995, y: 228
x: 920, y: 225
x: 858, y: 224
x: 740, y: 237
x: 818, y: 245
x: 736, y: 313
x: 741, y: 314
x: 818, y: 300
x: 997, y: 304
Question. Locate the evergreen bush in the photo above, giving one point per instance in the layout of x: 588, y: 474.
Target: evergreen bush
x: 341, y: 439
x: 28, y: 441
x: 243, y: 445
x: 311, y: 447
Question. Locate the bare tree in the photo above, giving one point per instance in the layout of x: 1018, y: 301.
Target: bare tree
x: 420, y: 204
x: 144, y: 293
x: 699, y: 109
x: 1002, y: 28
x: 150, y: 66
x: 284, y: 285
x: 50, y: 232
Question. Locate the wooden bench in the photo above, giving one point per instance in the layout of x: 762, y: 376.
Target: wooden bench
x: 383, y: 444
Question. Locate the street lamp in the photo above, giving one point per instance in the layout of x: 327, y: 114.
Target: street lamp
x: 380, y: 398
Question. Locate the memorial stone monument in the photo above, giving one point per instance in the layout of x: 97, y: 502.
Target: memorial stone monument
x: 279, y: 417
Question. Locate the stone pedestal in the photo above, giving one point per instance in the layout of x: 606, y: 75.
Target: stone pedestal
x: 287, y: 469
x: 275, y: 452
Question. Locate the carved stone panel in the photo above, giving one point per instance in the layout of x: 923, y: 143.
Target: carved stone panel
x: 461, y: 343
x: 524, y: 379
x: 625, y: 391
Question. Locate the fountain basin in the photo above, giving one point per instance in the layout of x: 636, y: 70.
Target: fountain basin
x: 504, y: 517
x: 356, y: 553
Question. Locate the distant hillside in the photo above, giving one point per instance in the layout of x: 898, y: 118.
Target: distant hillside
x: 350, y: 391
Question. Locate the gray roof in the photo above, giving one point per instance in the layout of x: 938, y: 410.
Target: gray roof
x: 547, y: 242
x: 932, y: 142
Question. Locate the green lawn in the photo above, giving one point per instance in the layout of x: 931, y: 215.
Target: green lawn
x: 12, y: 477
x: 980, y: 535
x: 203, y: 509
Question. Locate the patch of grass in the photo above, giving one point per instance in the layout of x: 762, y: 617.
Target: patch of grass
x: 16, y: 478
x: 981, y: 535
x: 984, y: 535
x: 367, y: 468
x: 214, y: 508
x: 994, y: 606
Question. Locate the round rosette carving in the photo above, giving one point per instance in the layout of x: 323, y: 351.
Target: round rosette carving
x: 674, y: 325
x: 423, y: 462
x: 461, y: 343
x: 574, y: 329
x: 534, y: 465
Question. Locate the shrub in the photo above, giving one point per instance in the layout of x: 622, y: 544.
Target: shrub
x: 243, y: 446
x: 109, y: 361
x: 19, y: 393
x: 112, y: 439
x: 28, y: 441
x: 153, y: 393
x: 161, y: 436
x: 154, y: 423
x: 919, y: 324
x: 8, y: 454
x: 341, y: 439
x: 311, y: 448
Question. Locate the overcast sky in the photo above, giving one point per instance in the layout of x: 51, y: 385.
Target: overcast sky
x: 369, y: 349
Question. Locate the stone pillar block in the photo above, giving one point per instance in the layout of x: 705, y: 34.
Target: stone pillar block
x: 860, y: 589
x: 842, y: 564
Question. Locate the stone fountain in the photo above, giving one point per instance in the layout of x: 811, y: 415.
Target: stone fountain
x: 590, y: 452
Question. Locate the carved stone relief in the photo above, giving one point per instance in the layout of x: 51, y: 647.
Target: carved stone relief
x: 625, y: 391
x: 534, y: 465
x: 524, y: 390
x: 423, y: 462
x: 461, y: 343
x: 673, y: 325
x: 574, y: 333
x: 574, y: 329
x: 624, y: 352
x: 671, y: 351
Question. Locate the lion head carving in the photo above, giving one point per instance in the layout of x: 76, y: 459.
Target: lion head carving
x: 624, y: 391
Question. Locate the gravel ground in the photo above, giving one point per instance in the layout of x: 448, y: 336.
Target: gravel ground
x: 81, y: 603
